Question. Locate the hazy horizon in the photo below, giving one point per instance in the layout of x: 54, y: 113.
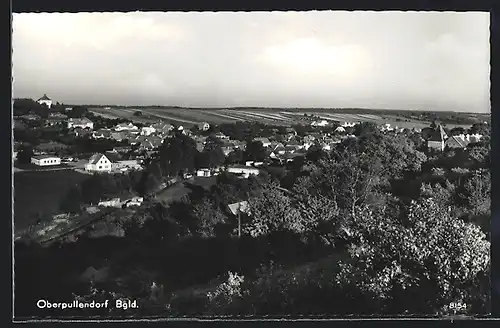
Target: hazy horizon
x: 434, y: 61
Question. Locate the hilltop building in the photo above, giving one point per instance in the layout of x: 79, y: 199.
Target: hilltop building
x: 45, y: 101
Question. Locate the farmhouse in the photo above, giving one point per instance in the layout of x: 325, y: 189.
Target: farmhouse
x: 279, y: 149
x: 227, y: 150
x: 151, y: 142
x: 203, y: 173
x: 125, y: 165
x: 161, y: 127
x: 45, y: 160
x: 319, y: 123
x: 98, y: 163
x: 348, y: 124
x: 118, y: 136
x: 244, y: 171
x: 147, y: 130
x: 115, y: 202
x: 438, y: 138
x: 125, y: 127
x: 240, y: 207
x: 456, y: 142
x: 58, y: 115
x: 101, y: 134
x: 204, y: 126
x: 45, y: 101
x: 82, y: 123
x: 220, y: 135
x: 265, y: 141
x: 134, y: 201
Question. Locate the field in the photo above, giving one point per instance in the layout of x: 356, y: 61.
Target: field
x: 189, y: 116
x: 40, y: 192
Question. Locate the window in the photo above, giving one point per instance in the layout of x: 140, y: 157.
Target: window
x: 100, y: 167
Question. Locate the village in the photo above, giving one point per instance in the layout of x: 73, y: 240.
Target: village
x: 134, y: 143
x: 271, y: 165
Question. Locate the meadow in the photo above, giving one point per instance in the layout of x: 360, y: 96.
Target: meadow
x: 271, y: 116
x: 40, y: 193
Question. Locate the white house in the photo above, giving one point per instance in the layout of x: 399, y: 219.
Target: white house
x: 204, y: 126
x: 147, y: 130
x: 134, y: 201
x: 46, y: 160
x: 244, y: 171
x: 348, y: 124
x: 126, y: 165
x: 220, y: 135
x: 340, y: 129
x: 125, y: 127
x: 203, y: 173
x: 83, y: 123
x: 320, y: 123
x: 45, y: 101
x: 99, y: 163
x: 387, y: 127
x: 115, y: 202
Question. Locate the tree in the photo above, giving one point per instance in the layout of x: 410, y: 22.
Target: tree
x: 177, y: 155
x: 480, y: 154
x: 72, y: 201
x: 272, y: 211
x: 443, y: 258
x: 203, y: 160
x: 24, y: 155
x: 255, y: 151
x: 235, y: 157
x: 476, y: 193
x: 213, y: 146
x: 77, y: 112
x: 208, y: 216
x: 365, y: 128
x: 457, y: 131
x: 480, y: 128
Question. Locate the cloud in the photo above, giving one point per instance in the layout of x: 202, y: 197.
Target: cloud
x: 435, y: 61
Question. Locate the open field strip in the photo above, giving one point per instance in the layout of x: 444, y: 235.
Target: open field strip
x: 269, y: 115
x: 108, y: 116
x: 266, y: 115
x: 342, y: 117
x: 169, y: 117
x: 372, y: 117
x: 232, y: 118
x: 262, y: 115
x: 191, y: 115
x: 244, y: 116
x: 256, y: 118
x: 203, y: 115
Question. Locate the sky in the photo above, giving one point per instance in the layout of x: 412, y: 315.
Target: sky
x: 328, y: 59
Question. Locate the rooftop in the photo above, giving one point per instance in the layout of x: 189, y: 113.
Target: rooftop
x: 44, y: 98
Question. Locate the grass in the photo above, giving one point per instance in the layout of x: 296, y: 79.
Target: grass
x: 40, y: 192
x: 179, y: 190
x: 187, y: 117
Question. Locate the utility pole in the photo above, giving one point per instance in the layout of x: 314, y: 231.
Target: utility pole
x: 238, y: 214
